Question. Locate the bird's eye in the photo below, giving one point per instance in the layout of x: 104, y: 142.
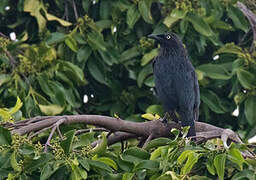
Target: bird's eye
x: 168, y: 37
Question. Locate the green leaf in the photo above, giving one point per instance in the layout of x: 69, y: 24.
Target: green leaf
x: 191, y: 157
x: 245, y: 174
x: 55, y: 37
x: 14, y: 162
x: 238, y: 18
x: 51, y: 17
x: 144, y: 73
x: 214, y: 71
x: 174, y: 16
x: 96, y: 72
x: 132, y: 16
x: 145, y: 10
x: 96, y: 41
x: 212, y: 101
x: 34, y: 8
x: 84, y: 139
x: 5, y: 136
x: 101, y: 146
x: 17, y: 106
x: 68, y: 142
x: 236, y: 157
x: 71, y: 43
x: 99, y: 165
x: 250, y: 110
x: 130, y: 53
x: 219, y: 164
x: 74, y: 72
x: 105, y: 9
x: 199, y: 24
x: 84, y: 163
x: 246, y: 79
x: 4, y: 78
x: 135, y: 155
x: 147, y: 164
x: 128, y: 176
x: 155, y: 109
x: 83, y: 54
x: 107, y: 161
x: 149, y: 56
x: 210, y: 167
x: 48, y: 170
x: 156, y: 153
x: 51, y: 110
x: 32, y: 165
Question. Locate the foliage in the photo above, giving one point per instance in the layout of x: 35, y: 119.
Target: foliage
x: 99, y: 48
x: 163, y: 158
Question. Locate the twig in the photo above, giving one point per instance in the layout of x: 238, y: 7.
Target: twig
x: 88, y: 130
x: 74, y: 8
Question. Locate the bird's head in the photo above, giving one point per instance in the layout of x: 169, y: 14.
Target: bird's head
x: 168, y: 41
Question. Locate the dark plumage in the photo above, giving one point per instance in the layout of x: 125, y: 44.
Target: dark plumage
x: 175, y: 80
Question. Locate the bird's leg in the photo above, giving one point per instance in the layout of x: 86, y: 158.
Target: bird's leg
x: 170, y: 116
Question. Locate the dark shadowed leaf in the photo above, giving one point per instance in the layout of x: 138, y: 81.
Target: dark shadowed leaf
x: 68, y: 142
x: 250, y: 110
x: 5, y: 136
x: 132, y: 16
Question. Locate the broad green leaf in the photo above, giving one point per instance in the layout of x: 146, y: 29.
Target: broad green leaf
x: 101, y: 146
x: 145, y: 10
x: 83, y: 54
x: 132, y: 16
x: 245, y: 174
x: 51, y: 110
x: 232, y: 49
x: 5, y: 136
x: 199, y: 24
x: 32, y: 165
x: 99, y: 165
x: 34, y: 8
x: 84, y: 139
x: 191, y: 158
x: 105, y: 9
x: 147, y: 164
x: 174, y: 16
x: 55, y: 37
x: 156, y: 153
x: 236, y: 157
x: 246, y: 79
x: 128, y: 176
x: 84, y: 163
x: 14, y: 163
x: 155, y: 109
x: 67, y: 144
x: 130, y: 53
x: 222, y: 25
x: 212, y: 101
x: 149, y: 56
x: 74, y: 72
x: 48, y: 170
x: 71, y: 43
x: 125, y: 165
x: 4, y: 78
x: 96, y: 41
x: 107, y: 161
x: 96, y: 72
x: 250, y: 110
x: 219, y: 164
x: 135, y: 155
x: 210, y: 167
x: 238, y: 18
x: 51, y: 17
x: 214, y: 71
x: 146, y: 71
x: 17, y: 106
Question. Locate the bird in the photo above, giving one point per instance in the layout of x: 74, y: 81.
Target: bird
x: 176, y: 83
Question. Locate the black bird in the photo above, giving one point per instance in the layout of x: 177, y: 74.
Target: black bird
x: 176, y: 81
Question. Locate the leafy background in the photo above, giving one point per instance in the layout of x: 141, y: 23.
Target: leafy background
x: 68, y: 49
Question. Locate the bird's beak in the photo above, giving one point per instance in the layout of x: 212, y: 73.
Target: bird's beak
x: 155, y: 36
